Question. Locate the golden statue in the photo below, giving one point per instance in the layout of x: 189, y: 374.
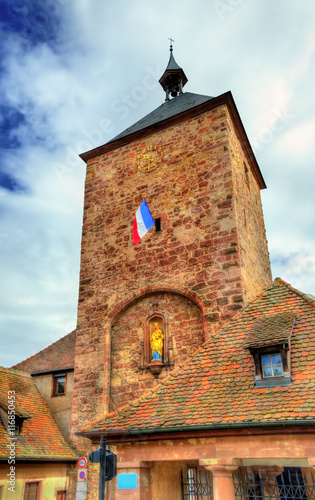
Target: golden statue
x: 156, y: 342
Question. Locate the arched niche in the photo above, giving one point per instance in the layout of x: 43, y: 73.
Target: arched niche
x: 157, y: 351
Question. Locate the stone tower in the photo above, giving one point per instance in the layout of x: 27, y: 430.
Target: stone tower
x: 206, y: 256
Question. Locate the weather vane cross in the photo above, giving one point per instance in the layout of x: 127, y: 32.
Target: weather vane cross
x: 171, y: 41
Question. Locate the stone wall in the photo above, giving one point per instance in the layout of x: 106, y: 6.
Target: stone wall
x: 206, y: 248
x: 252, y: 242
x: 185, y: 329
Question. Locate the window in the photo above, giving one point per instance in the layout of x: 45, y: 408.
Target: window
x: 271, y: 365
x: 12, y: 423
x: 31, y: 491
x: 59, y: 384
x: 197, y: 484
x: 157, y: 223
x: 269, y: 342
x: 61, y: 495
x: 18, y: 424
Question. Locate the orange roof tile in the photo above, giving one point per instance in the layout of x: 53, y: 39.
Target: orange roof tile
x: 216, y: 385
x: 41, y: 438
x: 57, y: 356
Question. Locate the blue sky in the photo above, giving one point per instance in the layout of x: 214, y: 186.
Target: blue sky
x: 75, y: 73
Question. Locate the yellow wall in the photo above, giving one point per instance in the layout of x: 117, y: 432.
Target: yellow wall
x: 51, y: 476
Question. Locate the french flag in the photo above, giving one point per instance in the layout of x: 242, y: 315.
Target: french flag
x: 143, y: 222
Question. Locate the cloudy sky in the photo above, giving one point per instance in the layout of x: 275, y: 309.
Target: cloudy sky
x: 75, y: 73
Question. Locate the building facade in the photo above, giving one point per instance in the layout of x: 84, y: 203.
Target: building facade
x: 195, y: 366
x: 205, y: 258
x: 151, y: 373
x: 52, y: 372
x: 36, y: 461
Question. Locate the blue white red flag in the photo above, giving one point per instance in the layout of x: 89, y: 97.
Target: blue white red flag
x: 143, y: 222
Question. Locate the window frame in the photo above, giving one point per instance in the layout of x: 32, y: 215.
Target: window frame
x: 27, y: 487
x: 61, y: 494
x: 18, y: 423
x: 54, y: 388
x: 283, y: 350
x: 272, y: 365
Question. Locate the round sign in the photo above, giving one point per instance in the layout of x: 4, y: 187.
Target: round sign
x: 82, y: 474
x: 82, y: 462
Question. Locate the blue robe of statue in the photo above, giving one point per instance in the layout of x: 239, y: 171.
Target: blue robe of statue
x: 156, y: 356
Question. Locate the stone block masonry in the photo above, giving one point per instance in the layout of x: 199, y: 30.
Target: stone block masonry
x: 209, y: 258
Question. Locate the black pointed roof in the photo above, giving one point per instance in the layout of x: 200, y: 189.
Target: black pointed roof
x: 173, y: 78
x: 168, y: 109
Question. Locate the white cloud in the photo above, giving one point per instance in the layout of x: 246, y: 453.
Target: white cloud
x: 96, y: 76
x: 298, y: 139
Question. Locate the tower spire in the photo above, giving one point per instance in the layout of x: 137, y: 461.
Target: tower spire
x: 173, y: 78
x: 171, y: 43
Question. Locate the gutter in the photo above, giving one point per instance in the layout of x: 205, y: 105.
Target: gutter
x: 205, y: 427
x: 47, y: 372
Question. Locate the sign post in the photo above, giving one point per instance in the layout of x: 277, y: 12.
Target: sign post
x: 101, y: 481
x: 108, y: 466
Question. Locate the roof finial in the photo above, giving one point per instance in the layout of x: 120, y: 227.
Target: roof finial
x: 171, y: 43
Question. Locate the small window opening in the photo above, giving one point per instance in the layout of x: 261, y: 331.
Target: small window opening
x: 59, y: 384
x: 18, y: 425
x: 61, y: 495
x: 271, y: 365
x: 157, y: 223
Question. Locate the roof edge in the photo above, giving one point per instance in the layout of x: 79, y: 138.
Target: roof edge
x: 309, y: 299
x: 44, y: 350
x: 202, y: 427
x: 213, y: 102
x: 57, y: 370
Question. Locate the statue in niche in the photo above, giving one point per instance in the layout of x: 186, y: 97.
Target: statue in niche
x: 156, y: 342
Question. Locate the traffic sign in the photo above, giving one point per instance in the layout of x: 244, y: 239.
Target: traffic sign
x: 82, y: 475
x: 82, y: 462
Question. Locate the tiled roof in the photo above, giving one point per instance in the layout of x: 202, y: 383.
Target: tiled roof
x: 216, y: 385
x: 271, y: 329
x: 57, y: 356
x: 18, y: 410
x: 41, y: 437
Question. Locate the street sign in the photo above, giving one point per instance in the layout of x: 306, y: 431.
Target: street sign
x: 82, y: 462
x: 82, y: 474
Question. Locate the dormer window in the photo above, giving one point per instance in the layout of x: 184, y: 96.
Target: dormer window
x: 18, y: 425
x: 13, y: 421
x: 271, y: 365
x: 269, y: 343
